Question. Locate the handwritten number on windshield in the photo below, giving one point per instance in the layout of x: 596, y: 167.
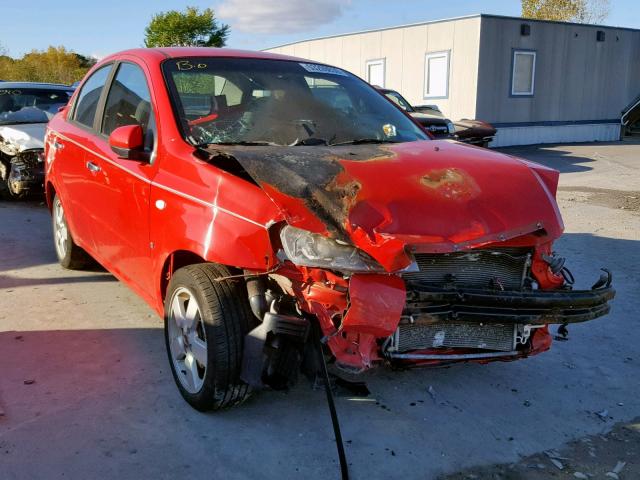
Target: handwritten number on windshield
x: 187, y: 65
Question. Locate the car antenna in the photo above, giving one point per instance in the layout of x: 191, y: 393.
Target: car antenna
x: 344, y: 468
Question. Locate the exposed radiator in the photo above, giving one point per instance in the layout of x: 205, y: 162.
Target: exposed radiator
x: 409, y: 337
x: 504, y: 268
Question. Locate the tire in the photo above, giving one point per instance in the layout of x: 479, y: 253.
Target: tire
x: 205, y: 340
x: 5, y: 193
x: 70, y: 255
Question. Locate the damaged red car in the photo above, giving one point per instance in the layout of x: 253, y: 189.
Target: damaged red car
x: 278, y: 213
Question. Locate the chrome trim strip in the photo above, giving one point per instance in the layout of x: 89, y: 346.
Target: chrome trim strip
x: 159, y: 185
x: 206, y: 204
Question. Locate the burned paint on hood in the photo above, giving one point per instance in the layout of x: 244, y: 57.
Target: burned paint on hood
x: 429, y: 196
x: 302, y: 180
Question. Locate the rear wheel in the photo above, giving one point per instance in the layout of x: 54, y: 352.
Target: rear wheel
x: 205, y: 324
x: 69, y: 254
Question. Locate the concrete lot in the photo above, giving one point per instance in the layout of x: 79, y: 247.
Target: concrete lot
x: 85, y: 389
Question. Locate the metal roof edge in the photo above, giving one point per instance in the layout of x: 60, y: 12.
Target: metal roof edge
x: 373, y: 30
x: 453, y: 19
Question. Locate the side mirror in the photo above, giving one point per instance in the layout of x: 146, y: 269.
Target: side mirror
x: 128, y: 142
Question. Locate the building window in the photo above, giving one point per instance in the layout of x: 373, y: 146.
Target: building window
x: 375, y: 72
x: 524, y: 73
x: 436, y: 75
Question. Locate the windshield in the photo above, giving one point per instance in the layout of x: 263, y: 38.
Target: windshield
x: 399, y: 100
x: 276, y: 102
x: 30, y: 105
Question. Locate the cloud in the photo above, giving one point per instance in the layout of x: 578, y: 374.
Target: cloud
x: 279, y: 16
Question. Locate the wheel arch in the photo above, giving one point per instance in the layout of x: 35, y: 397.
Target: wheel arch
x: 179, y: 259
x: 174, y: 261
x: 49, y: 194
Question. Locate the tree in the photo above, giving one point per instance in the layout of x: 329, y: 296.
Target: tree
x: 592, y: 11
x: 185, y: 29
x: 54, y: 65
x: 580, y: 11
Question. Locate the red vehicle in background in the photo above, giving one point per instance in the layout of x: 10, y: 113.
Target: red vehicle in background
x: 260, y: 203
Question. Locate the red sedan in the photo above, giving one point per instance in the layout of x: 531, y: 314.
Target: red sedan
x: 278, y: 212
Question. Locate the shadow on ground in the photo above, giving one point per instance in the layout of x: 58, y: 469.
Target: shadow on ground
x: 9, y: 281
x: 551, y: 156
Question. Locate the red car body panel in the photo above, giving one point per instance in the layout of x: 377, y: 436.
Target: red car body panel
x: 138, y: 218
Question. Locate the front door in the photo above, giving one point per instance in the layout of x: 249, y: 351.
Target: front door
x: 122, y: 194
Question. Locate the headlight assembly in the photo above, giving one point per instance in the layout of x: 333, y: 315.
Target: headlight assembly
x: 451, y: 127
x: 314, y: 250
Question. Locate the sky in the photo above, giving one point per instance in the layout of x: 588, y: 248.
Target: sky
x: 98, y: 28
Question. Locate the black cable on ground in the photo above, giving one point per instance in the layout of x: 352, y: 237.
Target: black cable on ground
x: 344, y: 468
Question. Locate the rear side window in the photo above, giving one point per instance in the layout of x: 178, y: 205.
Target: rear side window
x: 129, y: 101
x: 89, y: 96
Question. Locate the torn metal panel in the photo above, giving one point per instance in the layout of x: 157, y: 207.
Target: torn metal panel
x: 376, y: 304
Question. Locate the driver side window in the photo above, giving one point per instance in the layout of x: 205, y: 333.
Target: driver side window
x: 129, y: 100
x: 129, y: 103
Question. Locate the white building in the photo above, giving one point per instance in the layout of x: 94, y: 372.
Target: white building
x: 536, y: 81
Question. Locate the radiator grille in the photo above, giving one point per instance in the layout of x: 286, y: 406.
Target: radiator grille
x: 503, y: 268
x: 410, y: 337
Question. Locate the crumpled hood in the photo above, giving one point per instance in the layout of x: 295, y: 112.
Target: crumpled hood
x: 18, y: 138
x: 429, y: 196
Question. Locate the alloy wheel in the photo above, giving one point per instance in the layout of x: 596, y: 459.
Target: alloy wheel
x: 187, y: 340
x: 60, y: 231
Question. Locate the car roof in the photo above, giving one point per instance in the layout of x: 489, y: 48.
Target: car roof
x: 48, y: 86
x: 159, y: 54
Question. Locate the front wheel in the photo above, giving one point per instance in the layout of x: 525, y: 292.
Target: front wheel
x: 205, y: 323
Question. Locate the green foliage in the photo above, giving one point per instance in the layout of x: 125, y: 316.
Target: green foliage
x: 581, y: 11
x: 190, y: 28
x: 54, y: 65
x: 561, y: 10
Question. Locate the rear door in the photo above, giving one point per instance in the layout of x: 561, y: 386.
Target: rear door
x: 121, y: 196
x: 67, y: 148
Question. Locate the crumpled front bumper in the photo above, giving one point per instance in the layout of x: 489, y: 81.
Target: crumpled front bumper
x: 534, y: 307
x: 360, y: 316
x: 26, y: 176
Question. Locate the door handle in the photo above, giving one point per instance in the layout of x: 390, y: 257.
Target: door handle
x: 92, y: 167
x: 57, y: 145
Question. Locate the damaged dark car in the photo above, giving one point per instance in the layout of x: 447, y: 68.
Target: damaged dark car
x: 25, y: 110
x: 280, y: 214
x: 473, y: 132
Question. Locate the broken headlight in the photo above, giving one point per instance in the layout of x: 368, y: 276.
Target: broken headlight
x: 314, y: 250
